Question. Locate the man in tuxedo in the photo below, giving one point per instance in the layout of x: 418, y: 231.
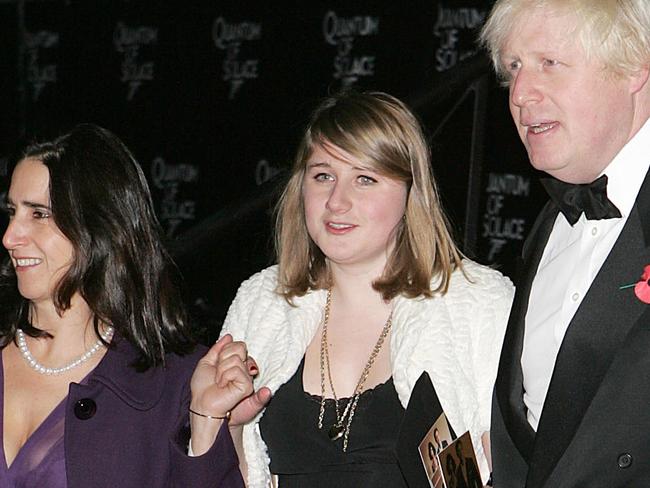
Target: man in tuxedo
x: 572, y: 397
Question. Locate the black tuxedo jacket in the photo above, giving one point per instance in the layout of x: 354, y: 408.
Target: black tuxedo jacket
x: 594, y: 430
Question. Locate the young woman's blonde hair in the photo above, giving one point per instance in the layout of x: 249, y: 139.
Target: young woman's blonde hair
x: 382, y: 133
x: 614, y: 32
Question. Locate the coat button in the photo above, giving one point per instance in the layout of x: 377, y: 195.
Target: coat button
x: 625, y: 461
x: 86, y: 408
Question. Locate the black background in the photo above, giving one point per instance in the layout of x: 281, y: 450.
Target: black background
x: 215, y: 150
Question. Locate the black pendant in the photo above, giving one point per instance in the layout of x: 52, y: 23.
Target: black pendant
x: 335, y: 432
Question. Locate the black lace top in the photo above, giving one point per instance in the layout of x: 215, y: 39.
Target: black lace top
x: 304, y: 456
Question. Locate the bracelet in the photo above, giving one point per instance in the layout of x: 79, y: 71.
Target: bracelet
x: 212, y: 417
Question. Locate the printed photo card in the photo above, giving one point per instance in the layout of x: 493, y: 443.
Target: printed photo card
x: 449, y: 462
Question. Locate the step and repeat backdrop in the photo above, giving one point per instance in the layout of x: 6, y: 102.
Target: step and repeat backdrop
x: 211, y: 96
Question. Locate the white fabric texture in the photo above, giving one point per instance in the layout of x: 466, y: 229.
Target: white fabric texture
x: 456, y: 338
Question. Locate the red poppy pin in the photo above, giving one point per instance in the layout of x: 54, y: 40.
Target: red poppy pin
x: 642, y: 287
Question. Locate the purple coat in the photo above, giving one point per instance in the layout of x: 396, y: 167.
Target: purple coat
x: 128, y: 429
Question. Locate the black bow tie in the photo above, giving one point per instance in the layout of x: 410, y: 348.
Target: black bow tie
x: 590, y: 198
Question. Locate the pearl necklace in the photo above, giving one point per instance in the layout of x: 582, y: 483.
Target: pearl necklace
x: 39, y: 368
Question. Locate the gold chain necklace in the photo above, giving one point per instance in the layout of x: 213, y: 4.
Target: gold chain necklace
x: 342, y: 426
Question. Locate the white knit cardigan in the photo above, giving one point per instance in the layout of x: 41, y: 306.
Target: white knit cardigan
x: 456, y: 338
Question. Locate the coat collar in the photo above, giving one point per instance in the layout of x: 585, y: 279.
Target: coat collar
x: 140, y: 390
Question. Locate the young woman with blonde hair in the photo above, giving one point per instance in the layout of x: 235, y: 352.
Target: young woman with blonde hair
x: 369, y: 292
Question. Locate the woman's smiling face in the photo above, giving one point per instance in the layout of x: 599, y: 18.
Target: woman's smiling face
x: 352, y: 212
x: 39, y: 251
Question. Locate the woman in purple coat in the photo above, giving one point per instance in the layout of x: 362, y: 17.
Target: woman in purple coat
x: 97, y: 360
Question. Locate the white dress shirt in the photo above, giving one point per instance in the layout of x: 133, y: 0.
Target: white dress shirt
x: 571, y: 259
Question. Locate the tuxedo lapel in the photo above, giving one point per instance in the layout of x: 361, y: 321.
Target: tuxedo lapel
x: 597, y: 330
x: 509, y: 383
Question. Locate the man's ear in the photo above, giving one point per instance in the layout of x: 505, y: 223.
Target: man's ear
x: 639, y: 79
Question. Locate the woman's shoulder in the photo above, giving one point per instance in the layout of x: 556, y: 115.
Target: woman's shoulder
x: 256, y: 302
x: 263, y: 282
x: 261, y: 291
x: 478, y: 279
x: 257, y: 291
